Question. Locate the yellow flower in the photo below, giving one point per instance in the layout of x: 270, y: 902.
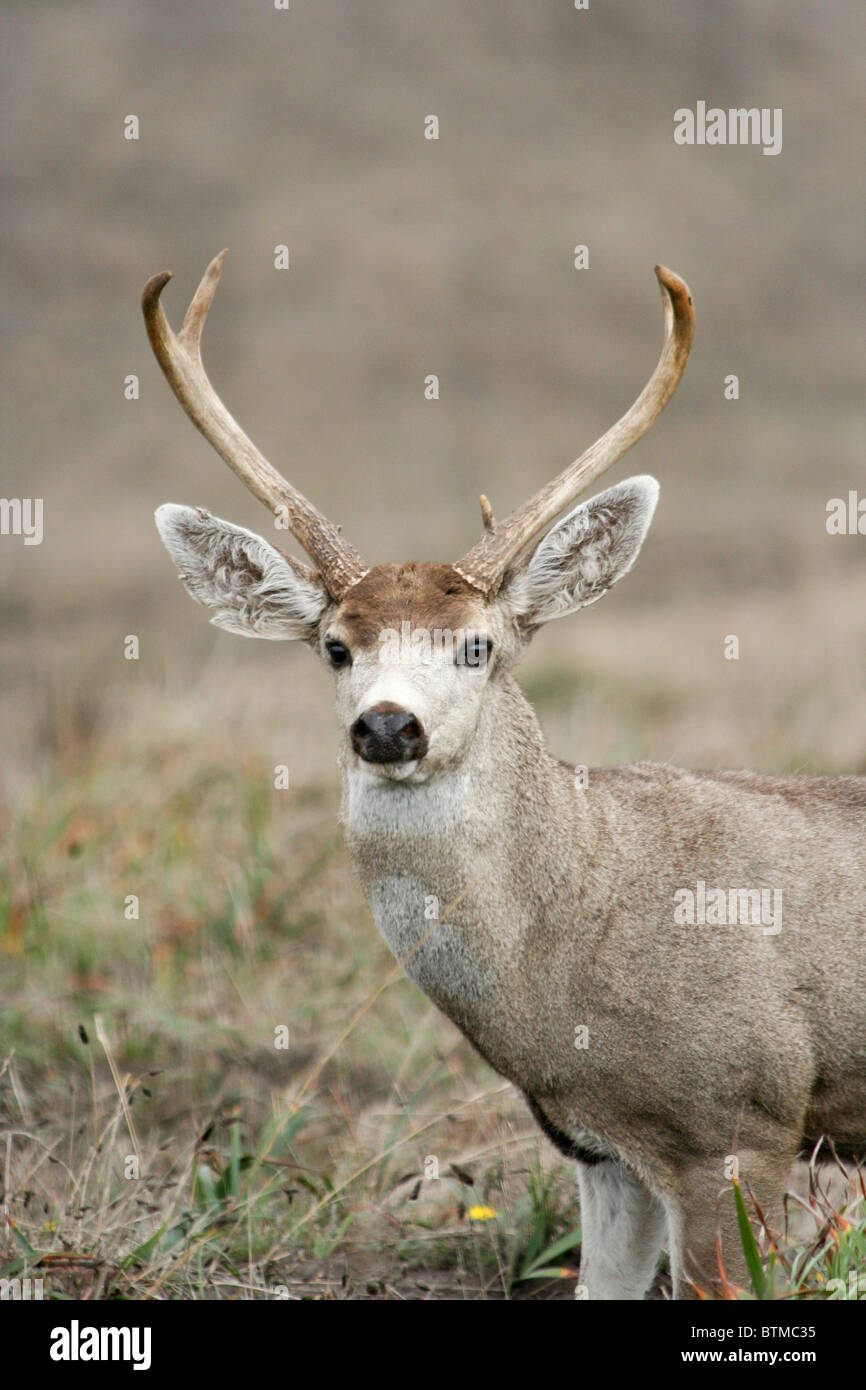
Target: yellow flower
x: 482, y: 1214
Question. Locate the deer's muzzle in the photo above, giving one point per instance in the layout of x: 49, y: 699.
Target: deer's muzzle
x: 387, y: 733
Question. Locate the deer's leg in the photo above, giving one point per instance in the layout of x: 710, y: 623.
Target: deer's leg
x: 704, y: 1212
x: 623, y: 1226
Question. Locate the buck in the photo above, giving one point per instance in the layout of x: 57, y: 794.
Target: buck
x: 662, y: 1056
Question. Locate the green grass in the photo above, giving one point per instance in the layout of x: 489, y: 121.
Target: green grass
x: 832, y: 1264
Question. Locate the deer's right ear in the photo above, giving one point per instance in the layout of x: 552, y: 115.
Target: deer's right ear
x: 585, y: 554
x: 255, y: 590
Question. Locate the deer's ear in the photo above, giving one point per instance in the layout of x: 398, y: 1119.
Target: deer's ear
x: 256, y: 591
x: 585, y: 554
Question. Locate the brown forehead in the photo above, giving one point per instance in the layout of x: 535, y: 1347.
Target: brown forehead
x: 427, y: 595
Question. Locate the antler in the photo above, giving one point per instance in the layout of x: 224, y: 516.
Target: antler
x: 179, y: 356
x: 487, y: 563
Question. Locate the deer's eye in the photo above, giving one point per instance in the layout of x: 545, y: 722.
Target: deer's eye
x: 474, y: 651
x: 339, y: 654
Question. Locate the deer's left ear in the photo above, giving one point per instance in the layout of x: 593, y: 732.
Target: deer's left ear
x: 585, y: 554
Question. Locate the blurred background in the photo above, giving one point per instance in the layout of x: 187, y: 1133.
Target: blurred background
x: 408, y: 257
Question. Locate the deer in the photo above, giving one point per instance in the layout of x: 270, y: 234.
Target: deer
x: 663, y: 1053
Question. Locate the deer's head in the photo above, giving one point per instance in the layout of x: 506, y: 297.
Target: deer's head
x: 413, y: 647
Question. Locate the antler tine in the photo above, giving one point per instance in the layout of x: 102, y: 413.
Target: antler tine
x: 487, y: 563
x: 179, y: 356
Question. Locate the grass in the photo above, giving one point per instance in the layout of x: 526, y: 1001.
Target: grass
x: 831, y: 1264
x: 102, y: 1211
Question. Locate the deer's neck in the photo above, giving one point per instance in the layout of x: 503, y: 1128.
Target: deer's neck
x: 462, y: 873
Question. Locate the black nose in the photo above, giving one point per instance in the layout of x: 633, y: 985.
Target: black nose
x: 385, y: 733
